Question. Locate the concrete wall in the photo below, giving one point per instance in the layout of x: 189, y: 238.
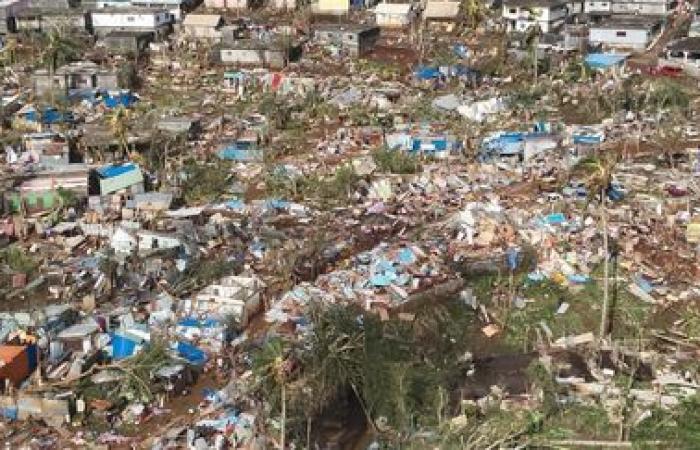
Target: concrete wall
x: 620, y: 38
x: 125, y: 20
x: 42, y: 82
x: 519, y: 19
x: 598, y: 7
x: 226, y: 4
x: 47, y: 22
x: 253, y: 57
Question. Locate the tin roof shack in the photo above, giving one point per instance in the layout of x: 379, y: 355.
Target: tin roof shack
x: 8, y: 10
x: 522, y: 145
x: 127, y: 42
x: 17, y: 362
x: 357, y: 40
x: 684, y: 53
x: 275, y: 54
x: 520, y: 15
x: 81, y: 337
x: 394, y: 15
x: 185, y: 126
x: 625, y: 32
x: 236, y: 295
x: 40, y: 192
x: 77, y: 75
x: 156, y: 21
x: 150, y: 242
x: 37, y: 20
x: 113, y: 179
x: 438, y: 14
x: 50, y: 149
x: 203, y: 26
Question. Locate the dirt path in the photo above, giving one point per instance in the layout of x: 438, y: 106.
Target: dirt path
x: 676, y: 23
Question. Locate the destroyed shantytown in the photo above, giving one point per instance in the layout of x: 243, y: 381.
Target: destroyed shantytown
x: 349, y: 225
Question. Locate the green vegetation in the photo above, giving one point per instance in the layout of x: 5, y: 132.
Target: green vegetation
x: 677, y: 428
x: 398, y: 371
x: 394, y: 161
x: 329, y: 190
x: 18, y: 260
x: 205, y: 183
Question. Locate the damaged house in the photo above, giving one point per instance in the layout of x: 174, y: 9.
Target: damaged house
x: 357, y: 40
x: 235, y: 295
x: 520, y: 15
x: 158, y: 22
x: 77, y: 75
x: 202, y: 26
x: 275, y: 54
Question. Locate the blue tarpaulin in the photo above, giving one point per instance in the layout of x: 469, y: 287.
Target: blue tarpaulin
x: 125, y: 99
x: 188, y: 322
x: 48, y: 116
x: 122, y: 347
x: 115, y: 171
x: 191, y: 353
x: 461, y: 50
x: 512, y: 255
x: 236, y: 153
x: 555, y: 219
x: 579, y: 278
x: 32, y: 357
x: 275, y: 203
x: 604, y: 60
x: 235, y: 204
x: 426, y: 73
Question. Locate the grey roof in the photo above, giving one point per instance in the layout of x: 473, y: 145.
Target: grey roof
x: 629, y: 22
x: 533, y: 3
x: 689, y: 44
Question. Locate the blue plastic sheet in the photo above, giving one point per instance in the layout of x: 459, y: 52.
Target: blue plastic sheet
x: 122, y: 347
x: 191, y: 353
x: 115, y: 171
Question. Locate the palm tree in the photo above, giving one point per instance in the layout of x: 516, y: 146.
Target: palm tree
x: 532, y: 38
x: 474, y: 12
x: 57, y: 48
x: 598, y: 172
x: 119, y: 126
x: 272, y: 367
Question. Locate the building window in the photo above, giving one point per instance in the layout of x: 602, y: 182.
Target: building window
x: 512, y: 10
x: 130, y: 18
x: 621, y: 34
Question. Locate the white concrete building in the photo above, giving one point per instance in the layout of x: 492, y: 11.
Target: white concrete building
x: 235, y: 295
x: 628, y: 33
x: 105, y: 21
x: 520, y: 15
x: 203, y: 26
x: 644, y: 7
x: 684, y: 53
x: 394, y: 15
x: 598, y: 8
